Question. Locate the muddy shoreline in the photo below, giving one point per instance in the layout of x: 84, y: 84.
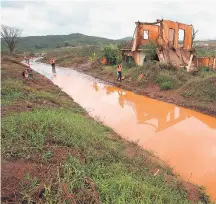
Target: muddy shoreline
x: 164, y: 96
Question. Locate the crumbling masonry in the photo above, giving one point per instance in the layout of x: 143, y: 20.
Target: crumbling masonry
x: 165, y: 34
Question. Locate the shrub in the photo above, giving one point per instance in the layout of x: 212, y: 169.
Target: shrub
x: 164, y: 76
x: 111, y: 52
x: 166, y: 85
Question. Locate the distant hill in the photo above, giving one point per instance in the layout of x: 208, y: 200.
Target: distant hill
x: 34, y: 43
x: 126, y: 38
x: 210, y: 42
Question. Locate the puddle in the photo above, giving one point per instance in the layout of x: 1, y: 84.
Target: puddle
x: 185, y: 139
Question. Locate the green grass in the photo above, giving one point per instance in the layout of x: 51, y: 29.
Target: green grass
x: 11, y: 90
x: 118, y: 178
x: 14, y: 90
x: 166, y: 85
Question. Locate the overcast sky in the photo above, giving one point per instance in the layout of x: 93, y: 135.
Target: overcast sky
x: 110, y: 19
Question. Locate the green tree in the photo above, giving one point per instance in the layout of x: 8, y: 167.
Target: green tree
x: 111, y: 52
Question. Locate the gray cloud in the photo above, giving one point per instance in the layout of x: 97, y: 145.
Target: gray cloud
x: 106, y: 19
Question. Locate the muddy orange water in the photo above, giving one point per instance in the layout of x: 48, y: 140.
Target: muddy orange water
x: 185, y: 139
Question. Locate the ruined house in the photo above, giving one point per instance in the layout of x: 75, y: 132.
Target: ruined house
x: 165, y: 34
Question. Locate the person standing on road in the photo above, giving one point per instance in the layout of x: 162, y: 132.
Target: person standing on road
x: 119, y: 70
x: 52, y: 62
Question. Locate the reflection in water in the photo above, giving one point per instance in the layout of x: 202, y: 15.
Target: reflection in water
x: 53, y: 72
x: 95, y: 86
x: 121, y: 98
x: 184, y: 138
x: 146, y: 110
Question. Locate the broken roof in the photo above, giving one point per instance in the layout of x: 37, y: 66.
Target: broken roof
x: 127, y: 45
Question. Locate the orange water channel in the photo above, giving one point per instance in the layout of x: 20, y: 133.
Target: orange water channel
x: 183, y: 138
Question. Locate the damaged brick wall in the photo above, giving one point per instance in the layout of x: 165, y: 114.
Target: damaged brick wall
x: 188, y: 30
x: 166, y: 35
x: 151, y: 32
x: 206, y: 62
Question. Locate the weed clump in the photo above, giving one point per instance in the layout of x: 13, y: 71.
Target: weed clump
x: 166, y: 85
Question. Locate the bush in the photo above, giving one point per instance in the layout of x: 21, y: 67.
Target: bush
x: 111, y: 52
x: 164, y: 76
x: 166, y: 85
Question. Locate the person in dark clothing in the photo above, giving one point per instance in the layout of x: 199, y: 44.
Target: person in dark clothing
x: 52, y: 62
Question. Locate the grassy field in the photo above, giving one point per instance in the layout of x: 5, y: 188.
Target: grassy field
x: 53, y: 152
x: 195, y: 90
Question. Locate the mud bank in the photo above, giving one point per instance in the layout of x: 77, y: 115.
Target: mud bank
x: 151, y: 90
